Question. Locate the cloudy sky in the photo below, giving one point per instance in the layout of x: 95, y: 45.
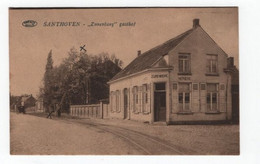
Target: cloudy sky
x: 29, y: 46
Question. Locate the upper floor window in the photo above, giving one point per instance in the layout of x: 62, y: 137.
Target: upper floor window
x: 184, y: 64
x: 212, y: 64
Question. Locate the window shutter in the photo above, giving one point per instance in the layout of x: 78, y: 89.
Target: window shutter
x: 222, y: 86
x: 203, y: 94
x: 174, y: 86
x: 202, y: 86
x: 120, y: 100
x: 175, y: 97
x: 148, y: 87
x: 140, y: 88
x: 195, y: 97
x: 222, y: 98
x: 195, y: 86
x: 148, y: 106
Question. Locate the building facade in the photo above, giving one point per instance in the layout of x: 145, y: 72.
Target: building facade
x: 186, y: 79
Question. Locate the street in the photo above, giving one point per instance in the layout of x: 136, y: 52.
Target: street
x: 39, y: 135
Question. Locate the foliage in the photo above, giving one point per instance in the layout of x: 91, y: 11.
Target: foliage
x: 79, y: 79
x: 48, y: 82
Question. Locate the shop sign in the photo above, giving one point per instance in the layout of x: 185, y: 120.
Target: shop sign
x: 184, y: 78
x: 159, y: 76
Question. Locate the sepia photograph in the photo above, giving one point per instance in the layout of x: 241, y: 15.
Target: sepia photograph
x: 124, y: 81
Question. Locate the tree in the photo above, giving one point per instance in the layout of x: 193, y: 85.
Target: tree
x: 48, y: 82
x: 79, y: 79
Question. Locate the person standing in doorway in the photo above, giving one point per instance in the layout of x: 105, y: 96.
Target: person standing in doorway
x: 22, y: 107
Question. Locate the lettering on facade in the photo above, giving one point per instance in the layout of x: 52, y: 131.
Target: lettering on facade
x: 159, y: 76
x: 184, y: 78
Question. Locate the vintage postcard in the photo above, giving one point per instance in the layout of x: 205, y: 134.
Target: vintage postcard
x: 124, y: 81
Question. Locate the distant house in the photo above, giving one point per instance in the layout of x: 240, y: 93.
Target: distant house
x: 39, y: 105
x: 27, y: 100
x: 235, y: 91
x: 187, y: 79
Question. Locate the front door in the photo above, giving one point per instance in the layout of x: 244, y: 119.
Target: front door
x: 160, y: 103
x: 125, y: 103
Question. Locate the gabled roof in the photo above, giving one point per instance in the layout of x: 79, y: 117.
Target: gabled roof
x: 25, y: 98
x: 148, y: 58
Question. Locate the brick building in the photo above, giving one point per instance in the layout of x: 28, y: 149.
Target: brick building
x: 187, y: 79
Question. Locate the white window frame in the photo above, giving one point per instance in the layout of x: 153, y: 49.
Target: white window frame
x: 182, y: 60
x: 135, y: 99
x: 210, y: 71
x: 183, y: 98
x: 117, y: 101
x: 211, y: 98
x: 112, y: 99
x: 144, y: 97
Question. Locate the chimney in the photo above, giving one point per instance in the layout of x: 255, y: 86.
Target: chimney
x: 196, y: 23
x: 230, y: 62
x: 138, y: 52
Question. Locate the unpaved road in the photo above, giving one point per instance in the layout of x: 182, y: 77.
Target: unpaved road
x: 36, y: 135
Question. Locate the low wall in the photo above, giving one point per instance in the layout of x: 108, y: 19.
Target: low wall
x: 90, y: 111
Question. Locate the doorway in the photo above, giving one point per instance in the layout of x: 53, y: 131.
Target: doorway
x: 160, y: 102
x: 125, y: 103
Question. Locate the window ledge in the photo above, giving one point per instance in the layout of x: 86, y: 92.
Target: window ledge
x: 212, y: 74
x: 185, y: 112
x: 146, y: 113
x: 184, y: 73
x: 212, y: 112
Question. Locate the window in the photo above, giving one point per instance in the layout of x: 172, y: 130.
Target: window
x: 117, y: 101
x: 145, y: 94
x: 202, y: 86
x: 212, y: 97
x: 212, y: 64
x: 135, y: 99
x: 174, y: 86
x: 184, y: 64
x: 222, y: 86
x: 184, y: 97
x: 145, y: 97
x: 160, y: 86
x: 195, y: 87
x: 112, y: 101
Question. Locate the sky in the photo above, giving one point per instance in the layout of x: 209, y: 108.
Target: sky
x: 29, y: 46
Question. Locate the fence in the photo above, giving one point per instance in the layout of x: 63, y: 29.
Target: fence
x: 90, y: 111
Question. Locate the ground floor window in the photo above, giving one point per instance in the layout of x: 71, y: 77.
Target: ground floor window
x: 144, y: 97
x: 135, y: 99
x: 117, y: 101
x: 212, y: 97
x: 112, y: 101
x: 184, y: 97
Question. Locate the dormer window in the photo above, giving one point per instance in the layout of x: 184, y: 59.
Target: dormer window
x: 184, y: 64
